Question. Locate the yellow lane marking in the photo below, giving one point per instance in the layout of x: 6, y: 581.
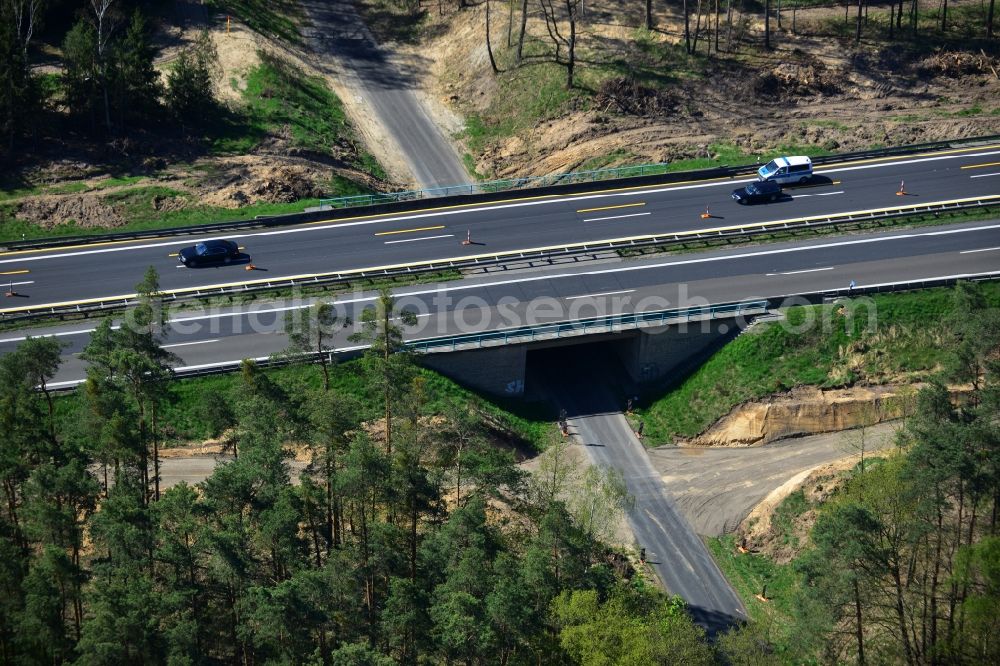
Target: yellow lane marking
x: 955, y: 151
x: 60, y: 248
x: 668, y: 187
x: 20, y: 272
x: 356, y: 271
x: 979, y: 166
x: 175, y: 254
x: 408, y: 231
x: 594, y: 210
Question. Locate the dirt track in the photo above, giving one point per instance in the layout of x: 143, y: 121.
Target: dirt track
x: 715, y: 488
x: 195, y: 469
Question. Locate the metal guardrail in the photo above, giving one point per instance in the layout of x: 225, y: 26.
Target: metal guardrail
x: 597, y: 175
x: 448, y: 343
x: 480, y: 189
x: 591, y: 325
x: 505, y: 185
x: 513, y: 256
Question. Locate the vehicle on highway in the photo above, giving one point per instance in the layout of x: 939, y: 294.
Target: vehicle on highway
x: 766, y: 190
x: 784, y: 170
x: 209, y: 252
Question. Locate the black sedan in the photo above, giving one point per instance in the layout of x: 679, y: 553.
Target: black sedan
x: 757, y: 192
x: 209, y: 252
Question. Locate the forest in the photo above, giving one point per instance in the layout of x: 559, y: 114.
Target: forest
x: 413, y: 537
x: 420, y: 542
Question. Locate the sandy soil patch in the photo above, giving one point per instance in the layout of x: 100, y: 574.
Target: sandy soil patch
x: 809, y: 91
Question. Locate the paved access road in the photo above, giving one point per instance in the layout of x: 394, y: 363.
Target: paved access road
x: 349, y: 51
x: 112, y: 269
x: 715, y: 488
x: 673, y: 549
x: 560, y: 293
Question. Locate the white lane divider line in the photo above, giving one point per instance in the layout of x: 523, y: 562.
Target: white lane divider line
x: 422, y: 238
x: 806, y: 270
x: 604, y: 293
x: 615, y: 217
x: 984, y: 249
x: 186, y: 344
x: 821, y: 194
x: 15, y: 284
x: 985, y: 175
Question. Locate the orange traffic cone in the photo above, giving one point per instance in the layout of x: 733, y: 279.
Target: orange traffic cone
x: 468, y: 237
x: 706, y: 214
x: 901, y: 192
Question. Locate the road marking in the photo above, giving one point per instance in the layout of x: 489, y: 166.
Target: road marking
x: 512, y: 253
x: 423, y: 238
x: 555, y: 276
x: 526, y: 201
x: 980, y: 166
x: 985, y: 249
x: 603, y: 293
x: 186, y: 344
x: 986, y: 175
x: 821, y: 194
x: 408, y: 231
x: 174, y: 254
x: 16, y: 284
x: 615, y: 217
x: 942, y: 156
x: 20, y: 272
x: 594, y: 210
x: 807, y: 270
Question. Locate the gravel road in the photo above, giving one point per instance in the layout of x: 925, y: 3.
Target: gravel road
x: 715, y: 488
x: 195, y: 469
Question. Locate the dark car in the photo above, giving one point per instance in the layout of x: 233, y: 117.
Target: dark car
x: 756, y: 192
x: 209, y: 252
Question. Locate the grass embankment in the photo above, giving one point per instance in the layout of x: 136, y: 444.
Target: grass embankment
x: 889, y: 337
x: 189, y: 417
x: 279, y: 100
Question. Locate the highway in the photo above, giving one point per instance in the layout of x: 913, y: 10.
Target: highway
x: 105, y: 270
x: 498, y: 301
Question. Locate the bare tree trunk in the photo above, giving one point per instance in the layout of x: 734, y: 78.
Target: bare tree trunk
x: 571, y: 63
x: 510, y: 22
x: 716, y: 27
x: 729, y: 27
x: 101, y: 8
x: 989, y: 20
x: 524, y: 25
x: 687, y: 27
x: 944, y: 15
x: 857, y: 36
x: 649, y: 14
x: 697, y: 27
x: 767, y: 24
x: 489, y: 45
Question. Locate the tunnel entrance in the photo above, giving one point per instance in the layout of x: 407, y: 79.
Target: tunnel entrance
x: 554, y: 371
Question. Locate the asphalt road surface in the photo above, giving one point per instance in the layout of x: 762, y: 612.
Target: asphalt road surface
x: 673, y: 549
x: 559, y: 293
x: 348, y: 51
x: 715, y: 488
x: 112, y: 269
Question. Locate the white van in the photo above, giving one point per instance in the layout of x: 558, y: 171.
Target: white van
x: 785, y: 170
